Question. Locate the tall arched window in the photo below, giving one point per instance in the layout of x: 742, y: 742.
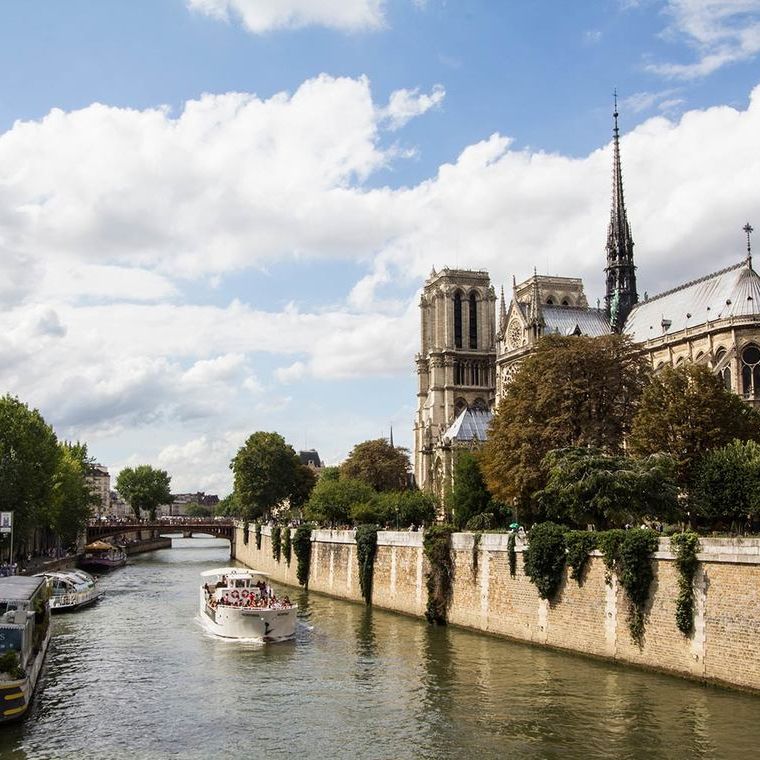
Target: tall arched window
x: 457, y: 320
x: 751, y: 372
x: 473, y: 321
x: 725, y: 373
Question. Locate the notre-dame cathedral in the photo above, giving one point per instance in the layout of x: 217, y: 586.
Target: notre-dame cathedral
x: 467, y: 356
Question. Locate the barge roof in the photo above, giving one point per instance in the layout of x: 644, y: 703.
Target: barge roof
x: 19, y: 587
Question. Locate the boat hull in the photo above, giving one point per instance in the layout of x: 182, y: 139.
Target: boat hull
x: 75, y: 601
x: 16, y: 696
x: 98, y: 565
x: 262, y: 624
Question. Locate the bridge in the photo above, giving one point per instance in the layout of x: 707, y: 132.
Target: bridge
x: 187, y: 527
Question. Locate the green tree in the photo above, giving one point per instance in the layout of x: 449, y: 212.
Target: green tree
x: 727, y: 484
x: 331, y: 500
x: 228, y: 507
x: 198, y: 510
x: 304, y: 480
x: 571, y: 391
x: 144, y: 488
x: 329, y: 473
x: 73, y: 499
x: 266, y: 470
x: 469, y: 495
x: 377, y: 463
x: 685, y: 412
x: 400, y: 509
x: 29, y: 457
x: 586, y: 486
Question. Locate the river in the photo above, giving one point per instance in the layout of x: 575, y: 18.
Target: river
x: 136, y: 677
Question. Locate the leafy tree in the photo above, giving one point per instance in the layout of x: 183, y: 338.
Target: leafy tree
x: 329, y: 473
x: 29, y: 457
x: 686, y: 412
x: 228, y: 507
x: 73, y: 499
x: 727, y: 483
x: 331, y: 500
x: 304, y: 480
x: 377, y: 463
x: 198, y: 510
x: 586, y: 486
x: 469, y: 495
x: 400, y: 509
x: 144, y: 488
x: 266, y: 469
x: 570, y: 392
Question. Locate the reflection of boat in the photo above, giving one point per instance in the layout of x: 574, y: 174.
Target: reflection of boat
x: 101, y: 556
x: 24, y: 637
x: 71, y: 589
x: 237, y: 603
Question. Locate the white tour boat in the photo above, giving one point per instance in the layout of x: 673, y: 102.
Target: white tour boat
x: 237, y: 603
x: 71, y: 589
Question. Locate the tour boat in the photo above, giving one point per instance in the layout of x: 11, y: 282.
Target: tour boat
x: 100, y: 556
x: 237, y: 603
x: 24, y: 638
x: 71, y: 590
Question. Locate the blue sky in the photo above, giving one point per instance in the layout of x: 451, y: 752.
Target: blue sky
x: 215, y: 215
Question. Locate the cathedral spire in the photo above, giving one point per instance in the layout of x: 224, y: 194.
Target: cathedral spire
x: 502, y: 311
x: 621, y: 293
x: 536, y: 315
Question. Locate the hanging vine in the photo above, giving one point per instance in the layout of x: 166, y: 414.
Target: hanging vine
x: 258, y: 536
x: 276, y: 545
x: 580, y: 544
x: 246, y: 532
x: 286, y: 545
x: 475, y: 552
x: 685, y: 547
x: 436, y: 543
x: 366, y: 549
x: 544, y: 558
x: 512, y: 554
x: 302, y: 548
x: 609, y: 542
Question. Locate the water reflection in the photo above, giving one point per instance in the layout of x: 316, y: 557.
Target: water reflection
x: 136, y: 677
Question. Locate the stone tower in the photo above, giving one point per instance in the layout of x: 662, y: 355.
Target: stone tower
x: 621, y: 295
x: 456, y: 364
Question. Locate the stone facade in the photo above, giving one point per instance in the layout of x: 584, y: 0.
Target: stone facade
x: 99, y: 482
x: 589, y: 619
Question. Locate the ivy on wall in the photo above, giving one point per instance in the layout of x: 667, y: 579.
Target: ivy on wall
x: 302, y: 549
x: 258, y: 536
x: 544, y: 558
x: 276, y: 545
x: 286, y: 545
x: 366, y: 549
x: 512, y: 554
x: 685, y: 547
x: 436, y: 543
x: 580, y: 544
x: 475, y: 552
x: 246, y: 532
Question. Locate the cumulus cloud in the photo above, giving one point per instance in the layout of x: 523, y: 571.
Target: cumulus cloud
x: 261, y: 16
x: 404, y: 105
x: 720, y: 31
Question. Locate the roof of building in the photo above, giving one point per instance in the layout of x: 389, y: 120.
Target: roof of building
x: 730, y: 292
x: 569, y: 320
x: 19, y: 587
x: 310, y: 456
x: 470, y: 425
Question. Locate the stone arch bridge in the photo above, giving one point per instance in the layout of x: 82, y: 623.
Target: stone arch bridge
x: 157, y: 528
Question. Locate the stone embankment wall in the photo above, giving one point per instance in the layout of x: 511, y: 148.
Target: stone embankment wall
x: 591, y: 618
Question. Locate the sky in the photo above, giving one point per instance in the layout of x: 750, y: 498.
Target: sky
x: 216, y: 216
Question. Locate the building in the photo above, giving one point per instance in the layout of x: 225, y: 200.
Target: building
x: 310, y: 458
x: 99, y: 482
x: 464, y: 366
x: 181, y: 502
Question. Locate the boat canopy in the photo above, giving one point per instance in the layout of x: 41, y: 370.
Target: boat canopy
x: 232, y: 572
x: 98, y: 546
x: 19, y: 588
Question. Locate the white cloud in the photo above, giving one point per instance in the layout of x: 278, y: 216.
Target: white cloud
x: 261, y: 16
x: 290, y: 374
x: 721, y: 32
x: 404, y: 105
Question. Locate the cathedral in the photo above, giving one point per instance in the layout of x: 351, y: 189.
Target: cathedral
x: 468, y: 354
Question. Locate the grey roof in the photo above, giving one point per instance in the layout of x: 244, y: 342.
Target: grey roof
x: 310, y: 455
x: 470, y: 425
x: 731, y: 292
x: 19, y: 587
x: 571, y: 320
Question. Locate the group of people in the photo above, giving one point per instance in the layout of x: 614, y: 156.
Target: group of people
x: 261, y: 597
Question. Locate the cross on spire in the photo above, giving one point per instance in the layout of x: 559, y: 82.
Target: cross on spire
x: 749, y: 230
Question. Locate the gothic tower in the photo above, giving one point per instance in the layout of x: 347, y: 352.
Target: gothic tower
x: 456, y: 362
x: 621, y: 294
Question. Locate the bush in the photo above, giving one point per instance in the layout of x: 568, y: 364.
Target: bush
x: 276, y: 545
x: 366, y: 548
x: 436, y: 544
x: 685, y: 547
x: 544, y: 558
x: 9, y: 663
x: 580, y: 544
x: 483, y: 521
x: 286, y: 545
x: 302, y: 548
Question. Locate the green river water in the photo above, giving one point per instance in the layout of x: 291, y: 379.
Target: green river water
x: 135, y: 676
